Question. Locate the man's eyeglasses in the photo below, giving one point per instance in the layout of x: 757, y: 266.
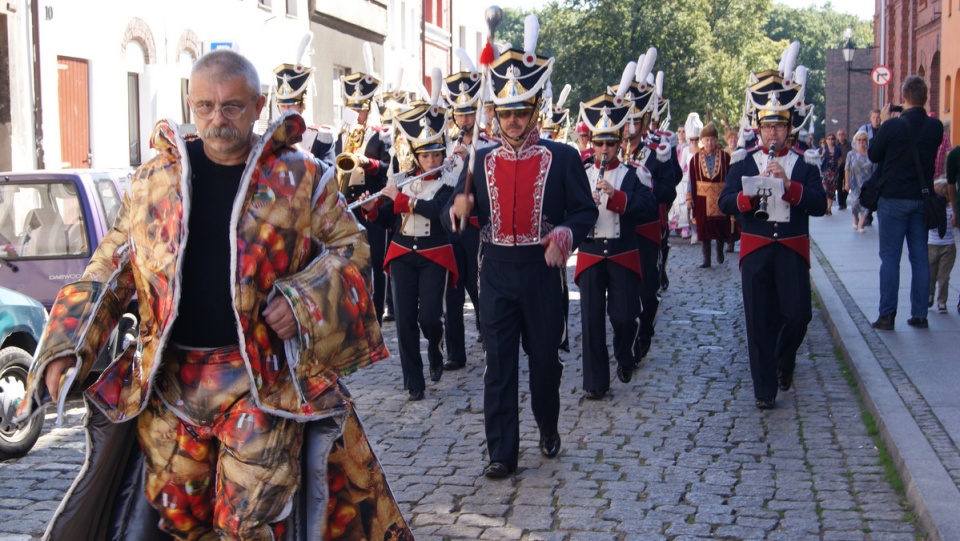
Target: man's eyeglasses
x: 606, y: 143
x: 773, y: 126
x: 206, y: 110
x: 519, y: 113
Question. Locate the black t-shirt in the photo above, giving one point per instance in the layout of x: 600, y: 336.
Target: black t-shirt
x: 205, y: 317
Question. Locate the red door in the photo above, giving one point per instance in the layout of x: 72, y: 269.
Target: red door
x: 74, y: 97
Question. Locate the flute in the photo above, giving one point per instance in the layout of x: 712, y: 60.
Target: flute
x: 401, y: 184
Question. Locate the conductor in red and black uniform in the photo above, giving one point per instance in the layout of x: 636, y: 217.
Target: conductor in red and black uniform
x: 534, y: 207
x: 775, y: 253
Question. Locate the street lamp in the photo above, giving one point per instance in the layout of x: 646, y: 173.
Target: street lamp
x: 849, y: 49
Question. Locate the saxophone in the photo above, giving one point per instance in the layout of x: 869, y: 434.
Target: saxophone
x: 347, y: 161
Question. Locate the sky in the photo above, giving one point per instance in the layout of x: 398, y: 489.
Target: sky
x: 861, y: 8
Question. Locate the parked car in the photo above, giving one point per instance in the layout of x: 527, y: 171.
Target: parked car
x: 50, y: 224
x: 21, y: 322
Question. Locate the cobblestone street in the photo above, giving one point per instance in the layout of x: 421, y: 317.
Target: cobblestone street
x: 680, y: 453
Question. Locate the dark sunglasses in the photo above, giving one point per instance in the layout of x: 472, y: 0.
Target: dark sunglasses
x: 607, y: 143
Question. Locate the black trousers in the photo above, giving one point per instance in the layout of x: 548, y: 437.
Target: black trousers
x: 418, y: 289
x: 465, y: 251
x: 520, y: 301
x: 377, y: 237
x: 608, y: 289
x: 776, y: 305
x: 649, y: 285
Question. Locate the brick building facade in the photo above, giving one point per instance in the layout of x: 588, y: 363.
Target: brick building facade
x: 909, y: 32
x: 837, y: 115
x: 950, y: 68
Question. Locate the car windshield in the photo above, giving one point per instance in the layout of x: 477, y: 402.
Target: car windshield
x: 109, y: 198
x: 41, y: 219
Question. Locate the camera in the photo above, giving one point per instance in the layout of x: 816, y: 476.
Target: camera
x: 896, y: 108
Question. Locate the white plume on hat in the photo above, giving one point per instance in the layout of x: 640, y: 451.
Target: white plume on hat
x: 693, y: 125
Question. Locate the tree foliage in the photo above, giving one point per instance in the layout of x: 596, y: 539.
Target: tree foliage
x: 706, y: 48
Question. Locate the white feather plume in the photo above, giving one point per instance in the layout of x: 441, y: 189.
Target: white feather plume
x: 436, y: 81
x: 659, y: 83
x: 531, y: 32
x: 649, y: 60
x: 801, y: 75
x: 563, y: 96
x: 398, y: 82
x: 628, y: 74
x: 368, y: 58
x: 790, y: 61
x: 465, y: 58
x: 303, y: 49
x: 636, y: 76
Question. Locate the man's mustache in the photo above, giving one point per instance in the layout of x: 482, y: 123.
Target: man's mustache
x: 227, y: 133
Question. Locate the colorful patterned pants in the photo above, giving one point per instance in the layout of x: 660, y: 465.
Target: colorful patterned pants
x: 232, y: 470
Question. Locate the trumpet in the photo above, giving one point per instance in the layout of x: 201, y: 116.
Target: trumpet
x: 347, y: 161
x: 400, y: 184
x: 762, y: 213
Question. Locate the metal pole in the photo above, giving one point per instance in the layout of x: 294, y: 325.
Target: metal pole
x: 848, y: 99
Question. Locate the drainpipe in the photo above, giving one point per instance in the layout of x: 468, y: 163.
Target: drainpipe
x: 38, y: 100
x: 423, y: 41
x: 883, y: 50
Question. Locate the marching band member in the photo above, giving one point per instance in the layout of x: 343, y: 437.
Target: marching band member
x: 534, y: 206
x: 292, y: 83
x: 774, y: 242
x: 463, y: 95
x: 656, y: 150
x: 608, y: 262
x: 420, y: 258
x: 368, y: 146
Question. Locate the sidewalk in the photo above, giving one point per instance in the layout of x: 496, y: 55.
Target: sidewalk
x: 908, y: 378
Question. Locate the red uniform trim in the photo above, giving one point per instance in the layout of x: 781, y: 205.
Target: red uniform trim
x: 475, y: 222
x: 401, y: 204
x: 441, y: 255
x: 793, y: 194
x: 617, y: 202
x: 650, y: 231
x: 629, y: 260
x: 799, y: 244
x: 372, y: 168
x: 744, y: 202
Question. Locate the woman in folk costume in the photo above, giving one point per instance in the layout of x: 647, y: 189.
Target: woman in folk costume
x: 608, y: 262
x: 708, y: 170
x: 420, y: 259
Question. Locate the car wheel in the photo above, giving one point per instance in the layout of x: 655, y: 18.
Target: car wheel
x: 16, y: 440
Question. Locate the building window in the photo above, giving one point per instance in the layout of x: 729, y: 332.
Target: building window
x: 429, y: 11
x: 292, y: 8
x: 184, y: 102
x: 133, y: 116
x: 403, y: 25
x: 439, y: 18
x: 463, y: 37
x: 947, y: 94
x: 266, y: 4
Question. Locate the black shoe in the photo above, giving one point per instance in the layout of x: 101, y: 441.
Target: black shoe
x: 479, y: 338
x: 450, y: 365
x: 918, y: 322
x: 497, y: 470
x: 884, y: 323
x: 624, y: 373
x: 416, y: 396
x: 704, y: 266
x: 930, y: 302
x: 786, y: 381
x: 436, y: 373
x: 594, y: 395
x: 765, y: 404
x: 550, y: 445
x: 388, y: 316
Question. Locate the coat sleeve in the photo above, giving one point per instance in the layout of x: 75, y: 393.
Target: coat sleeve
x: 331, y: 300
x: 640, y: 200
x: 581, y: 210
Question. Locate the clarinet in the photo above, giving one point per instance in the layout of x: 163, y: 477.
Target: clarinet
x: 762, y: 214
x: 603, y: 171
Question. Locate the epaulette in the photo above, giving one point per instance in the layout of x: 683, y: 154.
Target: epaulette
x: 646, y: 178
x: 738, y: 155
x: 811, y: 156
x: 324, y: 136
